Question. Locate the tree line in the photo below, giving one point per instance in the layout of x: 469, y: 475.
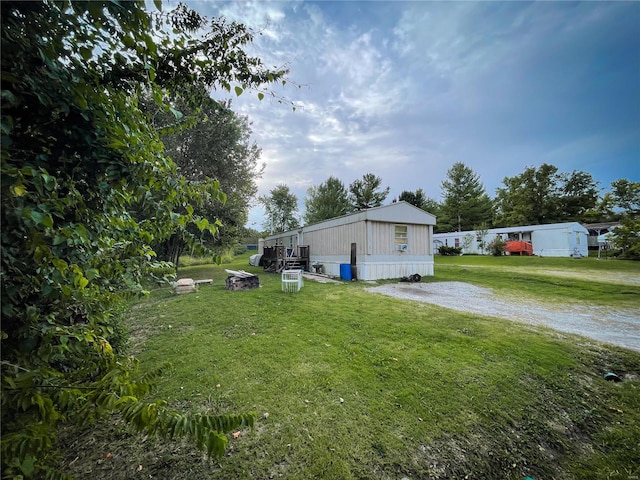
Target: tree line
x: 328, y: 200
x: 537, y: 196
x: 540, y: 195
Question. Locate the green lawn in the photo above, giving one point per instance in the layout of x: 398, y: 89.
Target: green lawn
x: 347, y: 384
x: 586, y: 280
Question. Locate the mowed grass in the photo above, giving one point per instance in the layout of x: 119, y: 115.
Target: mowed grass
x: 348, y: 384
x: 613, y: 283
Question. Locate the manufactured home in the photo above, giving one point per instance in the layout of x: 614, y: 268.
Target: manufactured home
x: 552, y: 240
x: 597, y: 230
x: 391, y: 241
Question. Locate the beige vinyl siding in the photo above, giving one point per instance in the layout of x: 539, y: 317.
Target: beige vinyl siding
x: 383, y: 239
x: 420, y: 240
x: 337, y: 240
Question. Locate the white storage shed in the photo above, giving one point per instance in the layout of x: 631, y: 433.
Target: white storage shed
x: 552, y: 240
x: 391, y: 241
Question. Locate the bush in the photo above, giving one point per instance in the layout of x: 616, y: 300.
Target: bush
x: 497, y: 246
x: 627, y: 238
x: 449, y: 251
x: 239, y: 249
x: 118, y: 336
x: 190, y: 261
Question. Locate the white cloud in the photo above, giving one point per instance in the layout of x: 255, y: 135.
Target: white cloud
x: 405, y: 89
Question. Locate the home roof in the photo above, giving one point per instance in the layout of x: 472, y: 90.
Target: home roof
x: 399, y: 212
x: 574, y: 226
x: 600, y: 226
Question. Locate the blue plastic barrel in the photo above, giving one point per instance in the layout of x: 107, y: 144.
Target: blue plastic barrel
x: 345, y: 271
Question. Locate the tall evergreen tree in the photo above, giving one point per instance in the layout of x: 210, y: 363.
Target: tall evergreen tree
x: 417, y: 198
x: 327, y: 200
x: 366, y: 193
x: 465, y: 201
x: 420, y: 200
x: 432, y: 206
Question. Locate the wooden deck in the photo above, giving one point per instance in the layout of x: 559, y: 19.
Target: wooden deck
x: 279, y: 258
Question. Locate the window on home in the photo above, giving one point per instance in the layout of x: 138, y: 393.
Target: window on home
x: 401, y: 238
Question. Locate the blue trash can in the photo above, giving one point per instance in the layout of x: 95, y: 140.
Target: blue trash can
x: 345, y: 271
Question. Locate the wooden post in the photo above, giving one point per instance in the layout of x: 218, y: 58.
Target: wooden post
x: 354, y: 269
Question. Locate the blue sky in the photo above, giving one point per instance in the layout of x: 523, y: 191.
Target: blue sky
x: 406, y: 89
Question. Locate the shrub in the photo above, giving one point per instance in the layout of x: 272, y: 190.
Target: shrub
x: 497, y: 246
x: 449, y: 251
x: 627, y: 238
x: 239, y: 249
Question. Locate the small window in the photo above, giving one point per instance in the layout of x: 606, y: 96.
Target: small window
x: 577, y: 238
x: 401, y: 238
x: 457, y: 242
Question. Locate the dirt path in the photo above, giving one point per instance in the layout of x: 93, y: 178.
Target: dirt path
x: 606, y: 324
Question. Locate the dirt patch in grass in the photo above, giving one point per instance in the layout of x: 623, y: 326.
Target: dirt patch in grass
x: 617, y: 326
x: 108, y: 452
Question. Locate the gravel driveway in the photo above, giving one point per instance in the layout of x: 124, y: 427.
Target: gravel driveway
x: 606, y: 324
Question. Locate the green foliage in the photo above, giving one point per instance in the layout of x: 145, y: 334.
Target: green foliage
x: 420, y: 200
x: 465, y: 201
x: 250, y: 236
x: 623, y: 199
x: 366, y: 193
x: 325, y: 201
x: 417, y: 198
x: 449, y: 251
x: 540, y: 196
x: 578, y: 195
x: 280, y: 207
x: 496, y: 246
x: 239, y: 249
x: 627, y: 238
x: 215, y: 143
x: 528, y: 198
x: 603, y: 211
x: 86, y: 189
x: 482, y: 232
x: 626, y: 196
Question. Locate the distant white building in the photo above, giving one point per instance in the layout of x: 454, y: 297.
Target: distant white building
x: 552, y: 240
